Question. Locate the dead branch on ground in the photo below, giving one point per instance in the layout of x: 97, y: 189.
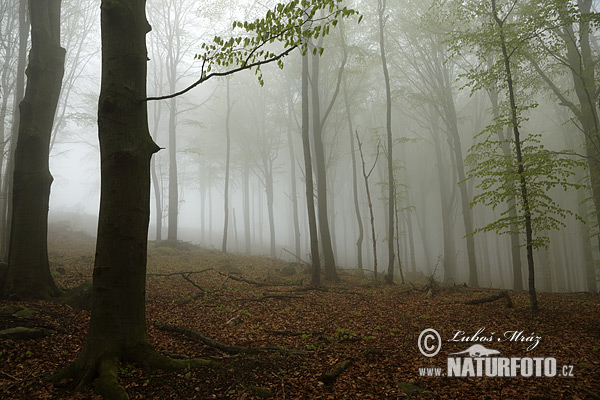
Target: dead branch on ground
x: 501, y: 295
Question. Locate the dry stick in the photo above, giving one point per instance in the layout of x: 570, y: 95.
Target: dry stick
x: 193, y: 334
x: 502, y: 295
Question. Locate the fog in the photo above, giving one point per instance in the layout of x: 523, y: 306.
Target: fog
x: 264, y: 123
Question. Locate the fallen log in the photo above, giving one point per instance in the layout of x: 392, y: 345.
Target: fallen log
x: 501, y: 295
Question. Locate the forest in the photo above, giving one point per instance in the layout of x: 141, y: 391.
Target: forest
x: 312, y: 199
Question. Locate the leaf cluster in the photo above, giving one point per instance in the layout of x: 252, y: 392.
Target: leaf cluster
x: 499, y: 183
x: 283, y: 28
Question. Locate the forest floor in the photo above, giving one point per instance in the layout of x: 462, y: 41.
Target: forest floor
x: 278, y: 339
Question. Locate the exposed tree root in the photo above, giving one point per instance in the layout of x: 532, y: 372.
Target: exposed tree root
x: 193, y: 334
x: 105, y: 369
x: 502, y: 295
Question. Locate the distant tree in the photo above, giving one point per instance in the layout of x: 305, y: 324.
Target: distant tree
x: 28, y: 267
x: 229, y: 108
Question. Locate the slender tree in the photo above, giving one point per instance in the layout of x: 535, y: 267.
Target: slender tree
x: 389, y: 278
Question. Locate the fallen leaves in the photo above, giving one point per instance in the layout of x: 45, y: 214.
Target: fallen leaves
x: 368, y: 333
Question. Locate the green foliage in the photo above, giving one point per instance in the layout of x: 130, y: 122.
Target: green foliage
x: 288, y: 25
x: 499, y: 181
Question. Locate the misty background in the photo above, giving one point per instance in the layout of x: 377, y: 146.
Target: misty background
x: 265, y: 143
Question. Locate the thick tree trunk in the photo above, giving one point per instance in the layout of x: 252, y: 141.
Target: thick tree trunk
x: 117, y: 329
x: 28, y: 271
x: 389, y: 278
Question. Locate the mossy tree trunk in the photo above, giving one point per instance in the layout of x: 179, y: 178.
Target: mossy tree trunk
x: 28, y: 271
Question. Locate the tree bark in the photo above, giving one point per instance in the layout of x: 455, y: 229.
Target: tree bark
x: 29, y: 271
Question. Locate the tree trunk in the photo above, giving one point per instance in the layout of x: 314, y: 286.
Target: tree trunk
x: 520, y: 167
x: 445, y: 203
x: 366, y: 176
x: 359, y: 240
x: 321, y: 169
x: 28, y: 271
x: 155, y: 179
x: 452, y: 125
x: 246, y: 190
x: 270, y: 211
x: 227, y: 172
x: 117, y: 329
x: 294, y: 194
x: 390, y: 170
x: 173, y: 184
x: 310, y: 196
x: 512, y: 213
